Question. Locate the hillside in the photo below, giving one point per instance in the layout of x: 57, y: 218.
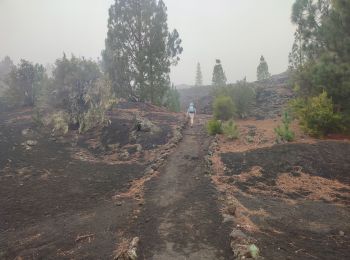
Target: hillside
x: 271, y: 96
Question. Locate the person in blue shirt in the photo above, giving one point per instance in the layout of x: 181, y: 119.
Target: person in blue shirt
x: 191, y: 111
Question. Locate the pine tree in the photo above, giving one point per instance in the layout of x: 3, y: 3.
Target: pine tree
x: 23, y: 83
x: 172, y: 99
x: 219, y: 77
x: 263, y: 69
x: 6, y: 65
x: 199, y: 76
x: 320, y: 58
x: 140, y: 49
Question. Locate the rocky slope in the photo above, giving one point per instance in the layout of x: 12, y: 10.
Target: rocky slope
x: 271, y: 97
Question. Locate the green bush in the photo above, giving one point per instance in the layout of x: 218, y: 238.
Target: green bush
x: 224, y: 108
x: 317, y: 116
x: 214, y: 127
x: 243, y: 95
x: 230, y: 129
x: 283, y: 131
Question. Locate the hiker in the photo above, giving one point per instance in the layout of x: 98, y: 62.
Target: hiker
x: 191, y: 111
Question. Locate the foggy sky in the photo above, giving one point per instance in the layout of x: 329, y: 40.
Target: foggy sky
x: 235, y: 31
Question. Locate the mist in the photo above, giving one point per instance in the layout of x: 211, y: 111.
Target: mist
x: 237, y: 32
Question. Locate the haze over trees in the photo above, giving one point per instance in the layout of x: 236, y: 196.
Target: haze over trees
x: 24, y: 83
x: 219, y: 77
x: 262, y: 71
x: 140, y: 49
x: 77, y: 93
x: 6, y: 66
x: 199, y: 76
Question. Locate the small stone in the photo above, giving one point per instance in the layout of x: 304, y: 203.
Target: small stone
x: 139, y: 148
x: 231, y: 210
x: 341, y: 233
x: 149, y: 171
x: 31, y: 142
x: 118, y: 203
x: 228, y: 218
x: 26, y: 131
x: 237, y: 234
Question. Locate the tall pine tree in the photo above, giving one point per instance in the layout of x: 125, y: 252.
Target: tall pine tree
x: 140, y: 49
x: 199, y: 76
x: 219, y: 77
x: 262, y: 71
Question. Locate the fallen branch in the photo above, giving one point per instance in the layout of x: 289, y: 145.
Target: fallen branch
x: 79, y: 238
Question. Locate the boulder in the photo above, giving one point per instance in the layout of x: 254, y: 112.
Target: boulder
x: 144, y: 125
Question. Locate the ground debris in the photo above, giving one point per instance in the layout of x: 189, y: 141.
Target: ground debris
x: 84, y: 237
x: 130, y: 253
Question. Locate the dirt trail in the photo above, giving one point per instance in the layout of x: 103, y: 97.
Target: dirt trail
x: 181, y: 217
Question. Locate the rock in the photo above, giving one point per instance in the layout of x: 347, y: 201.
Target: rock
x: 133, y: 136
x: 139, y: 148
x: 228, y: 218
x: 118, y: 203
x: 26, y: 131
x: 144, y: 125
x: 113, y: 147
x: 231, y: 209
x: 250, y: 139
x: 31, y: 142
x: 149, y: 171
x: 154, y: 166
x: 341, y: 233
x: 164, y: 155
x: 124, y: 155
x: 237, y: 234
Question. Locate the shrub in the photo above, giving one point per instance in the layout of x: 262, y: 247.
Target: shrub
x: 243, y: 95
x: 98, y: 101
x: 283, y: 131
x: 317, y: 116
x: 214, y: 127
x: 79, y: 90
x: 24, y: 82
x: 60, y: 122
x: 224, y: 108
x: 73, y: 79
x: 230, y: 129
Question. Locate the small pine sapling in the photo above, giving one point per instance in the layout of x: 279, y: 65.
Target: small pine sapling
x: 283, y: 132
